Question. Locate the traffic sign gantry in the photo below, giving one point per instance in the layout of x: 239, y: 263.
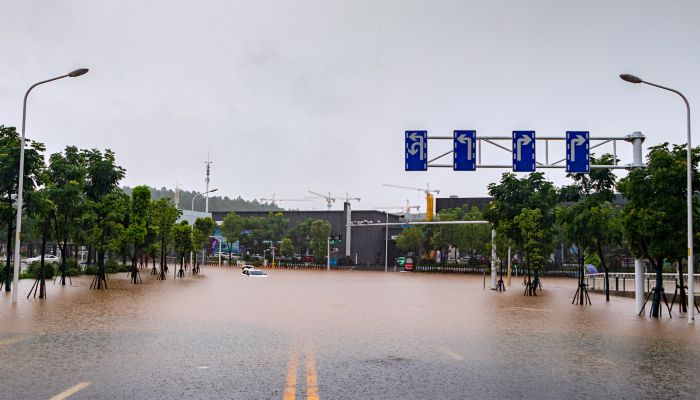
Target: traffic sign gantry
x: 464, y: 150
x: 577, y: 152
x: 524, y: 151
x: 416, y: 150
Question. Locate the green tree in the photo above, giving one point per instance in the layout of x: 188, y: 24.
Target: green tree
x: 202, y: 229
x: 654, y: 218
x: 534, y: 246
x: 136, y: 233
x: 66, y: 184
x: 411, y: 239
x: 513, y: 198
x: 320, y: 230
x: 231, y: 227
x: 164, y: 217
x: 107, y: 206
x: 10, y: 142
x: 182, y: 242
x: 43, y: 210
x: 287, y: 247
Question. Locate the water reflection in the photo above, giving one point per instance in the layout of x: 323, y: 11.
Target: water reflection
x: 369, y: 335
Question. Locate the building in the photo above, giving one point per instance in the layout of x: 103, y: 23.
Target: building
x: 367, y: 243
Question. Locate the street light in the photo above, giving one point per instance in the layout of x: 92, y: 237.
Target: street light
x: 200, y: 194
x: 689, y: 195
x: 18, y: 223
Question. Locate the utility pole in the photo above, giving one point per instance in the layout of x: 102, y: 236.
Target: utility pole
x: 206, y: 204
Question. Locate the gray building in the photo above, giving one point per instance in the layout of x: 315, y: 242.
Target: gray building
x: 367, y: 243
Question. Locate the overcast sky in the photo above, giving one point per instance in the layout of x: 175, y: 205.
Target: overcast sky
x: 290, y: 96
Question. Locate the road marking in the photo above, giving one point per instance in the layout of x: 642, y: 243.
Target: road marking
x: 290, y: 384
x: 311, y: 378
x: 71, y: 391
x: 11, y: 340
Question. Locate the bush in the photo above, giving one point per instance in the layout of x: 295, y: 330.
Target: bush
x: 74, y: 272
x: 91, y: 270
x: 32, y: 270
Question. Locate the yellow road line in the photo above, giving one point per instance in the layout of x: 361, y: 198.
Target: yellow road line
x: 11, y: 340
x: 71, y: 391
x: 290, y: 384
x: 311, y: 378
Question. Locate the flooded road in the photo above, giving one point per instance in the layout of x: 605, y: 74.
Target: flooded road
x: 337, y: 335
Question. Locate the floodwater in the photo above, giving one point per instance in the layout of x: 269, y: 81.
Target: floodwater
x: 337, y: 335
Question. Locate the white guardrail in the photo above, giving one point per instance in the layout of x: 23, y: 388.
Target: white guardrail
x: 624, y: 281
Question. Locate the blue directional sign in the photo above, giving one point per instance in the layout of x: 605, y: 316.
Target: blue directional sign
x: 464, y: 151
x: 416, y: 150
x: 577, y: 152
x: 524, y: 151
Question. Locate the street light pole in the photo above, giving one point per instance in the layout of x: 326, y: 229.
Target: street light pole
x: 689, y: 196
x: 18, y: 223
x: 199, y: 194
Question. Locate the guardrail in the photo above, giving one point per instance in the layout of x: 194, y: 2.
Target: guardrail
x: 624, y: 281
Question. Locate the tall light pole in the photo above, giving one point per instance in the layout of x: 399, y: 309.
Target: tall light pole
x: 689, y: 195
x: 199, y: 194
x: 18, y: 223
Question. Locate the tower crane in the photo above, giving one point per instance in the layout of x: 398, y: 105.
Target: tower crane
x: 274, y: 199
x: 329, y: 201
x: 406, y: 209
x: 429, y: 198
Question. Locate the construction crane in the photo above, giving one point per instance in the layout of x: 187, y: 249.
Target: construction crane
x: 274, y: 199
x: 429, y: 198
x: 330, y: 199
x: 406, y: 209
x: 348, y: 215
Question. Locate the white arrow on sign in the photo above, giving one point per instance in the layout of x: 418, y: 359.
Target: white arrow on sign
x: 523, y: 140
x: 468, y: 141
x: 579, y: 141
x: 417, y: 140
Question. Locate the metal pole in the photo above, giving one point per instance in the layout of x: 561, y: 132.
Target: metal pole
x: 386, y: 244
x: 20, y: 187
x: 328, y: 253
x: 493, y: 259
x: 509, y: 258
x: 638, y: 283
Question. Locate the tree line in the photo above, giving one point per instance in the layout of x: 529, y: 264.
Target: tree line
x: 74, y: 198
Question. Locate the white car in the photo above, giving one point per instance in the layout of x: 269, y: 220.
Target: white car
x: 48, y: 259
x: 254, y: 273
x: 248, y: 266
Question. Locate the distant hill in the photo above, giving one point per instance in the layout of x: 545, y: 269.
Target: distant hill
x: 216, y: 203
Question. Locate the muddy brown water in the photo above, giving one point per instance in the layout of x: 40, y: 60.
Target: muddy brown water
x: 338, y: 335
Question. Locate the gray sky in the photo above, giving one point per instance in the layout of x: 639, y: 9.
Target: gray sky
x: 290, y: 96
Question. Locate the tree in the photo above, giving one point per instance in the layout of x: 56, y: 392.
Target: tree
x: 10, y: 142
x: 66, y: 184
x: 202, y: 229
x: 654, y: 218
x: 320, y: 230
x: 231, y: 227
x: 182, y: 242
x: 107, y: 206
x: 164, y: 217
x: 301, y: 236
x: 287, y: 247
x: 410, y: 239
x: 535, y: 249
x: 532, y: 200
x: 43, y: 209
x: 136, y: 233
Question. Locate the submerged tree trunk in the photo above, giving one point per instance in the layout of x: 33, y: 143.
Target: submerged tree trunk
x: 681, y: 285
x: 656, y: 300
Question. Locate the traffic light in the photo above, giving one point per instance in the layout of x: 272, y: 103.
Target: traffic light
x: 331, y: 239
x: 340, y: 238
